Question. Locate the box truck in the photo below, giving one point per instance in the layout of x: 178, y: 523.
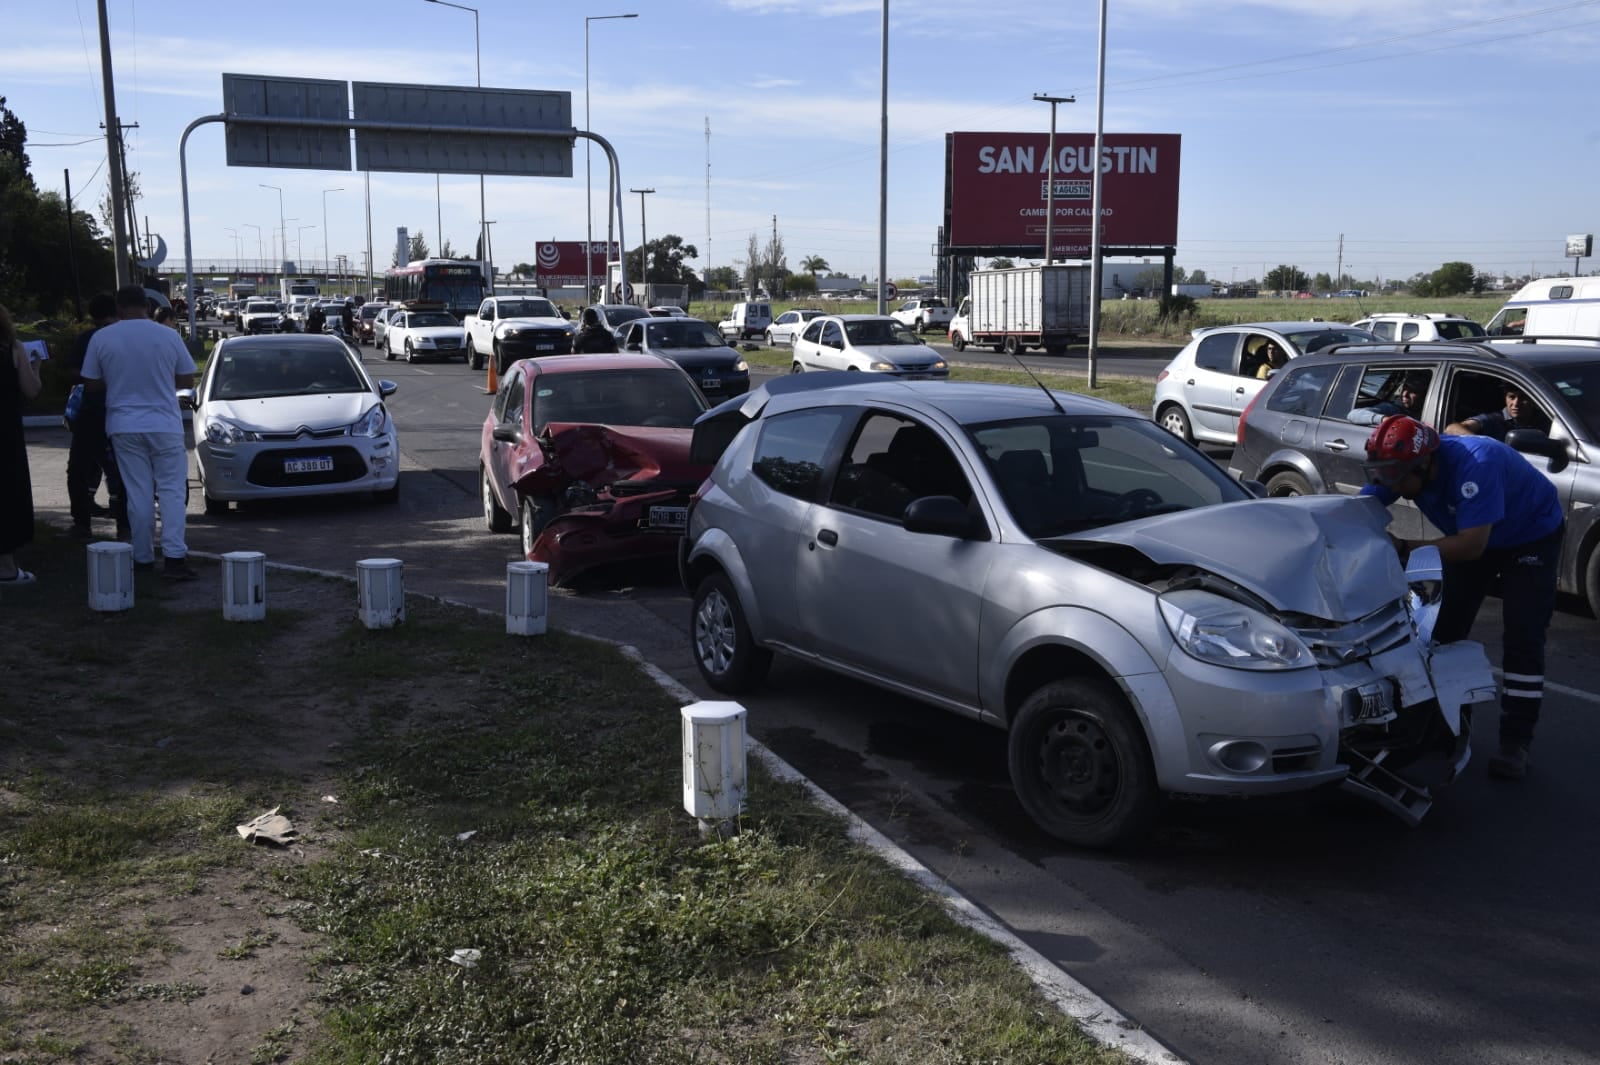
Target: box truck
x: 1024, y: 307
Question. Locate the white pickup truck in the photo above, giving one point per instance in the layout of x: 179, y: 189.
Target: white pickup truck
x: 515, y: 327
x: 923, y: 314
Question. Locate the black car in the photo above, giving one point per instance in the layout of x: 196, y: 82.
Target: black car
x: 616, y: 317
x: 718, y: 370
x: 1306, y: 431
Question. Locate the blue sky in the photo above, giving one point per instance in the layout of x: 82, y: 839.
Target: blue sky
x: 1421, y: 130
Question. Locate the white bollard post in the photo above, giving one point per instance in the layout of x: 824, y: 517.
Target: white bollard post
x: 381, y: 593
x: 244, y: 586
x: 110, y: 576
x: 527, y: 597
x: 713, y: 763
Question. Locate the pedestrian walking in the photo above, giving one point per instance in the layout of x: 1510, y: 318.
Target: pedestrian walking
x: 593, y: 338
x: 1502, y: 520
x: 140, y: 365
x: 90, y: 455
x: 19, y: 381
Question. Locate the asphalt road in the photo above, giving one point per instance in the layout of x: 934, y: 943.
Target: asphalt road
x: 1310, y: 929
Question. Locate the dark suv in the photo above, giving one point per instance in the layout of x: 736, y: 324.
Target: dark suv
x: 1306, y: 432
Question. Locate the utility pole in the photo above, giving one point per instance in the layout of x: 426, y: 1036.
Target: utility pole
x: 1050, y: 176
x: 72, y: 258
x: 113, y: 152
x: 644, y: 250
x: 772, y: 291
x: 705, y: 274
x: 1338, y: 270
x: 883, y: 159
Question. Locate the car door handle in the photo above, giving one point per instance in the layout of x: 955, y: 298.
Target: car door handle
x: 1190, y: 381
x: 828, y: 536
x: 1239, y: 391
x: 1338, y: 445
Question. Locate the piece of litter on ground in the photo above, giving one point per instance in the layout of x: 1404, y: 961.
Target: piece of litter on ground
x: 372, y: 852
x: 466, y: 957
x: 462, y: 837
x: 164, y: 742
x: 330, y: 798
x: 270, y: 826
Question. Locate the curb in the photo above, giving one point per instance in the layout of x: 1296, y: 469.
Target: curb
x: 1099, y: 1020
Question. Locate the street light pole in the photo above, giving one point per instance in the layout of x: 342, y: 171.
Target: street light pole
x: 883, y: 166
x: 588, y: 177
x: 299, y: 243
x: 483, y: 211
x: 238, y: 251
x: 644, y: 251
x: 1050, y: 176
x: 284, y: 248
x: 261, y: 252
x: 1095, y: 266
x: 325, y: 241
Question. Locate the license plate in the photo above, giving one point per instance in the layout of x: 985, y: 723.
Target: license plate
x: 544, y: 347
x: 669, y: 517
x: 321, y: 464
x: 1375, y: 701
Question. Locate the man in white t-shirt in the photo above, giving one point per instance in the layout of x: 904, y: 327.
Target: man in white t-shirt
x: 141, y: 364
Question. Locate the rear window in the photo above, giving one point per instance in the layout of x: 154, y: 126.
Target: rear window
x: 1458, y: 330
x: 791, y: 454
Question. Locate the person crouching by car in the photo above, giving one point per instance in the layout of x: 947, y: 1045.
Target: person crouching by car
x: 1502, y: 520
x: 593, y: 338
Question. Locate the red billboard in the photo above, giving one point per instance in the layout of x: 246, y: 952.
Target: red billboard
x: 559, y: 263
x: 996, y: 194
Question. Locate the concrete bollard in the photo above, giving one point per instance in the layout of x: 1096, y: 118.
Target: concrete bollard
x: 244, y: 586
x: 110, y: 576
x: 380, y: 592
x: 714, y: 763
x: 527, y: 598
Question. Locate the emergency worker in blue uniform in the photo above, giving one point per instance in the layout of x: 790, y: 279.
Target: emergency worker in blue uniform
x: 1501, y: 518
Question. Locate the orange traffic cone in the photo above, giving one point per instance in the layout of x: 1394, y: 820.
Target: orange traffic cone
x: 493, y: 384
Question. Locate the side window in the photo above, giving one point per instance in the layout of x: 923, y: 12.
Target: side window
x: 1509, y: 322
x: 792, y: 451
x: 1473, y: 393
x: 813, y: 332
x: 892, y: 461
x: 487, y: 310
x: 832, y: 335
x: 1216, y: 352
x: 1409, y: 331
x: 511, y: 383
x: 1383, y: 330
x: 1303, y: 390
x: 1369, y: 394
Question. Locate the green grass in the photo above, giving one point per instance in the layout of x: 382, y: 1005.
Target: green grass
x: 610, y: 931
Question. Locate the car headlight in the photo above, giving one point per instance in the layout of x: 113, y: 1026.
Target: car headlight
x: 514, y: 331
x: 879, y: 364
x: 939, y: 364
x: 222, y: 431
x: 424, y: 342
x: 741, y: 367
x: 1225, y: 633
x: 371, y: 423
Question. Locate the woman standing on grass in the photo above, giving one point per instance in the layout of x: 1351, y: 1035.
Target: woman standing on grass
x: 18, y: 381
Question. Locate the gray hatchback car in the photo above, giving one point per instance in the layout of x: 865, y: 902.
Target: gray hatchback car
x: 1307, y: 431
x: 1062, y: 568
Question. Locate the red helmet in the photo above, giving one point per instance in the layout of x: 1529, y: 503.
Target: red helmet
x: 1397, y: 446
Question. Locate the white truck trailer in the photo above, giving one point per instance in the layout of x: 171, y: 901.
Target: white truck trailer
x: 1024, y: 307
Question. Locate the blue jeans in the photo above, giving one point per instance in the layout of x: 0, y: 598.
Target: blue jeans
x: 154, y: 465
x: 1527, y: 575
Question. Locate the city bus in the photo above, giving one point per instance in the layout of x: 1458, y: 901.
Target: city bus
x: 448, y: 284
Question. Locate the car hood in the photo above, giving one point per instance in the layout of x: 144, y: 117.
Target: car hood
x: 897, y: 353
x: 700, y: 358
x: 534, y: 323
x: 437, y: 332
x: 1324, y: 556
x: 285, y: 414
x: 601, y: 455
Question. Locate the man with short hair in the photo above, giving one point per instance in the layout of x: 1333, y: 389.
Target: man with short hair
x: 1496, y: 423
x: 90, y: 452
x: 1501, y: 519
x: 139, y: 365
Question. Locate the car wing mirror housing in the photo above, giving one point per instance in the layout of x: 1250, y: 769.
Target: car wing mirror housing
x: 506, y: 434
x: 1425, y: 578
x: 943, y: 516
x: 1534, y: 442
x: 186, y: 399
x: 387, y: 389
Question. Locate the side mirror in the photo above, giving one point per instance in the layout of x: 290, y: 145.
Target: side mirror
x: 635, y: 346
x: 387, y: 389
x: 941, y: 516
x: 1425, y: 577
x: 1533, y: 442
x: 506, y: 434
x: 186, y: 399
x: 1255, y: 488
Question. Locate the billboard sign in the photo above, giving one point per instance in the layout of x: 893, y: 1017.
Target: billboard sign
x: 560, y: 262
x: 1580, y: 245
x: 996, y: 193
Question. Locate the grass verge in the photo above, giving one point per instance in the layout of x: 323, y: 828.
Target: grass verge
x: 454, y: 788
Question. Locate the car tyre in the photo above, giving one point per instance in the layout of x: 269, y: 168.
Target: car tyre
x: 724, y: 650
x: 958, y: 342
x: 536, y: 513
x: 214, y: 507
x: 496, y: 519
x: 1175, y: 421
x: 769, y: 339
x: 411, y: 352
x: 1288, y: 483
x: 388, y: 350
x: 1591, y: 580
x: 1013, y: 346
x: 473, y: 362
x: 797, y: 368
x: 1081, y: 766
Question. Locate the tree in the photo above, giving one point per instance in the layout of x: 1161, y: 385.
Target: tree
x: 800, y: 283
x: 416, y: 248
x: 1322, y: 282
x: 722, y: 278
x: 446, y: 251
x: 1198, y: 277
x: 1286, y: 278
x: 523, y: 270
x: 774, y: 264
x: 14, y: 139
x: 1452, y: 279
x: 664, y: 261
x: 1001, y: 263
x: 752, y: 262
x: 814, y: 265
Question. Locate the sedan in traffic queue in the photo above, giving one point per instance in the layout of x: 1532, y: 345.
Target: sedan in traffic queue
x: 365, y: 317
x: 870, y: 343
x: 292, y: 414
x: 717, y: 370
x: 587, y: 457
x: 424, y: 335
x: 788, y: 325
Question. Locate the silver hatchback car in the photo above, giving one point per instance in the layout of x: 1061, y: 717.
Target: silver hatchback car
x: 1063, y: 569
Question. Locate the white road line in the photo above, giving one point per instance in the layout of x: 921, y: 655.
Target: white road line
x: 420, y: 370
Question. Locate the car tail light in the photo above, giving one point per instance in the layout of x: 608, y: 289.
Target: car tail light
x: 1160, y: 377
x: 1238, y: 434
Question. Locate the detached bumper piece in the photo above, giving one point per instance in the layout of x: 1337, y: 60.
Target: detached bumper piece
x: 1369, y: 779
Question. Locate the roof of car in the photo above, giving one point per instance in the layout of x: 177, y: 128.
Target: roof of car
x: 862, y: 317
x: 965, y: 403
x: 283, y: 340
x: 577, y: 363
x: 1531, y: 351
x: 1281, y: 327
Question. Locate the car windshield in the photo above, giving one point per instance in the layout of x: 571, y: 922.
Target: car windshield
x: 879, y: 332
x: 683, y: 333
x: 663, y: 399
x: 247, y: 372
x: 369, y: 311
x: 617, y: 313
x: 429, y: 318
x: 527, y: 309
x: 1061, y: 474
x: 1308, y: 340
x: 1579, y: 384
x: 806, y: 316
x: 261, y: 307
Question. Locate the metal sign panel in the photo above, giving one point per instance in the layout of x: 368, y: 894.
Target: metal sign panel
x: 995, y: 193
x: 560, y: 262
x: 532, y: 155
x: 1580, y: 244
x: 244, y: 95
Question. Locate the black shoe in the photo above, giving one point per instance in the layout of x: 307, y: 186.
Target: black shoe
x: 98, y: 511
x: 178, y: 569
x: 145, y: 567
x: 123, y: 532
x: 81, y: 531
x: 1511, y: 763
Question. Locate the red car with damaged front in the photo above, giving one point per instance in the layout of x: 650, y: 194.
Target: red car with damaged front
x: 588, y: 457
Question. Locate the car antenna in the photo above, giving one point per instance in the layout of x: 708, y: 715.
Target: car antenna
x: 1054, y: 402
